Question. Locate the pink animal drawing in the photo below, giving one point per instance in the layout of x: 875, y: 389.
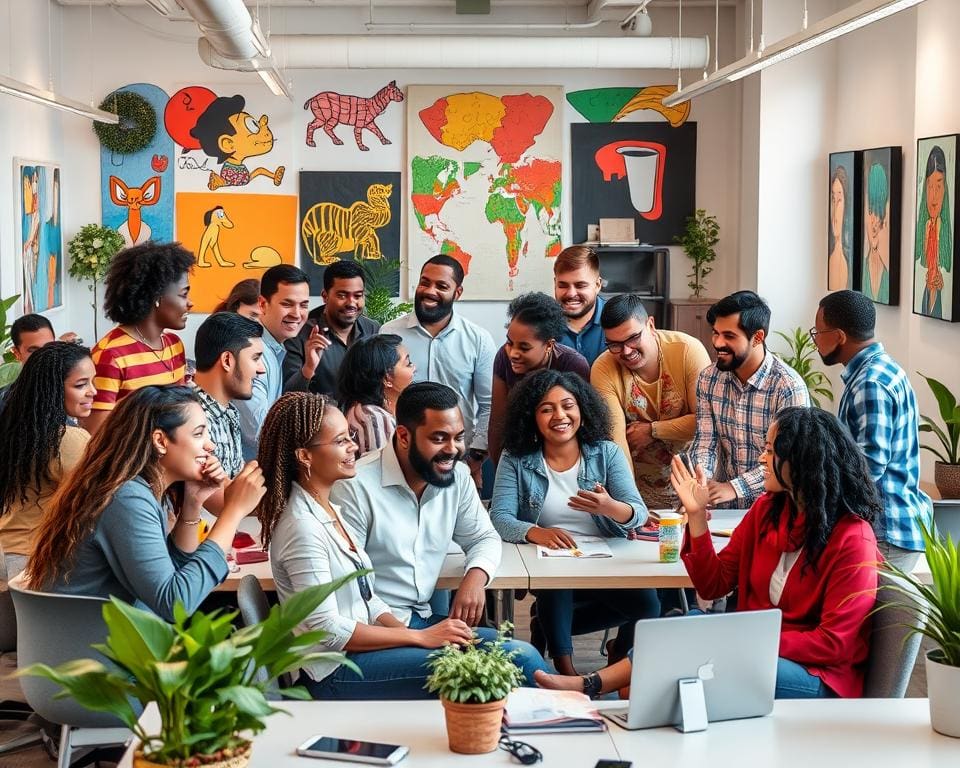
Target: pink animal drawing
x: 331, y: 109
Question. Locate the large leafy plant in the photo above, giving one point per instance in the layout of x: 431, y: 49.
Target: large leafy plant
x: 380, y: 279
x: 91, y: 251
x: 207, y: 678
x: 801, y: 359
x: 698, y: 240
x: 949, y: 433
x: 476, y: 673
x: 9, y: 367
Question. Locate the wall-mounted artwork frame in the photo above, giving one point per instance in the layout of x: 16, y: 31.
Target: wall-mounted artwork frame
x: 843, y: 220
x: 880, y: 219
x: 39, y: 235
x: 936, y: 290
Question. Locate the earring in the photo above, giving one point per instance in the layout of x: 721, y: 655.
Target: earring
x: 306, y: 468
x: 162, y: 453
x: 157, y: 304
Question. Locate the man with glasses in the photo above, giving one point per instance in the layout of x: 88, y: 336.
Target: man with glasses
x: 879, y: 407
x: 648, y: 378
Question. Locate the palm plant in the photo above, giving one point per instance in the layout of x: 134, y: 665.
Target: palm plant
x: 801, y: 359
x: 381, y: 280
x: 949, y: 433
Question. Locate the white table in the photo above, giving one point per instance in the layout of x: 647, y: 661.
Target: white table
x: 416, y: 724
x: 802, y: 734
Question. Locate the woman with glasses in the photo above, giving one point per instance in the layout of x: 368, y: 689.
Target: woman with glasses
x: 305, y: 447
x: 372, y: 375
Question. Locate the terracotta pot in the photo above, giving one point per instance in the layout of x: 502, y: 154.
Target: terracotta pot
x: 473, y: 729
x: 237, y: 761
x: 947, y: 478
x: 943, y: 689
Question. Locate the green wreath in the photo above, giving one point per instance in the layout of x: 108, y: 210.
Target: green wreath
x: 137, y: 126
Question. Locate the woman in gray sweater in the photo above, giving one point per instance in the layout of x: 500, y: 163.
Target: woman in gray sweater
x: 107, y: 530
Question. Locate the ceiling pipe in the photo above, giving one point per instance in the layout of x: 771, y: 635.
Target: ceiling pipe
x: 228, y: 28
x: 429, y: 52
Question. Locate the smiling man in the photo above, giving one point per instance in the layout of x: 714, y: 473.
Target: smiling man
x: 576, y: 286
x: 738, y: 397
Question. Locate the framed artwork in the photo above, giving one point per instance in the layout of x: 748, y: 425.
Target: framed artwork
x: 843, y: 221
x: 880, y: 218
x: 39, y: 242
x: 934, y: 280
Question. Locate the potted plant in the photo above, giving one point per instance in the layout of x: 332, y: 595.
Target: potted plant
x: 936, y: 616
x: 91, y: 251
x: 9, y: 367
x: 473, y: 682
x: 800, y: 358
x: 698, y: 239
x: 946, y: 472
x: 380, y: 279
x: 207, y: 678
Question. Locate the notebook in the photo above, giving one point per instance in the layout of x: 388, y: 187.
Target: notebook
x: 587, y: 546
x: 537, y: 710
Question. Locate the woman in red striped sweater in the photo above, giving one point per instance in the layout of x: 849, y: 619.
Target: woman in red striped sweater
x: 806, y: 547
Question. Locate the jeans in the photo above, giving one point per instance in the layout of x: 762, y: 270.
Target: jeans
x: 794, y: 682
x: 563, y: 613
x: 904, y: 559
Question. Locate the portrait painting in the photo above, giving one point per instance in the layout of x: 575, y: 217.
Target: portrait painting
x: 40, y: 236
x: 880, y: 237
x: 843, y: 221
x: 934, y: 279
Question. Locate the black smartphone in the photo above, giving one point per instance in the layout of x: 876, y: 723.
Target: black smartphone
x: 613, y: 764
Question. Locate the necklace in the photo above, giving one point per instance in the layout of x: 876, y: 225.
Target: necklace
x: 168, y: 364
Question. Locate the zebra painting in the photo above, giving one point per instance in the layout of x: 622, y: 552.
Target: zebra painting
x: 329, y: 228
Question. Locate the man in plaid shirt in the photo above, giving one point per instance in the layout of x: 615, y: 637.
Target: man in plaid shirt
x: 737, y: 399
x: 879, y: 407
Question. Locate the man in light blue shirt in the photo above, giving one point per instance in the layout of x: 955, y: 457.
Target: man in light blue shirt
x: 284, y: 303
x: 576, y: 287
x: 451, y: 350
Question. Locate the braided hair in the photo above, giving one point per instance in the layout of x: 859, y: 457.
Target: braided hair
x: 292, y: 423
x: 829, y: 477
x: 33, y: 421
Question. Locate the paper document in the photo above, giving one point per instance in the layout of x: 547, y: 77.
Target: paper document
x: 536, y: 710
x: 587, y: 546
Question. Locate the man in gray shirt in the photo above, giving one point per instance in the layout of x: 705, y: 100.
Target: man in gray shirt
x: 450, y: 349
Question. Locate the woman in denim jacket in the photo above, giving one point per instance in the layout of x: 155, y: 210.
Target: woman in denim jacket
x: 559, y: 478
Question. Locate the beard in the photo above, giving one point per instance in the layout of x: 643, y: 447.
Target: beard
x: 429, y: 315
x: 576, y: 314
x: 831, y: 358
x: 428, y: 470
x: 735, y: 360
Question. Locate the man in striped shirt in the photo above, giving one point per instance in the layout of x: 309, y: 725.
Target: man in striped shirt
x: 738, y: 397
x: 879, y: 407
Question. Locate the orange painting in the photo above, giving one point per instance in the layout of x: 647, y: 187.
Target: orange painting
x: 234, y: 237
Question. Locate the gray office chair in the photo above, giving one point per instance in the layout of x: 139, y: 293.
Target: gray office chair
x: 254, y: 607
x: 946, y: 516
x: 53, y: 629
x: 893, y: 649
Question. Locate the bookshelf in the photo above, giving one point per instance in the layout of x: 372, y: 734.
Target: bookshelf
x: 640, y: 269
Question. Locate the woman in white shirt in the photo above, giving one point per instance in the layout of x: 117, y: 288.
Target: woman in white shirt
x: 305, y: 447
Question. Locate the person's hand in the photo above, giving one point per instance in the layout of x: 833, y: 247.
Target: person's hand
x: 452, y: 631
x: 639, y: 436
x: 692, y: 491
x: 212, y: 479
x: 599, y: 502
x: 721, y: 493
x: 551, y: 538
x: 470, y: 601
x: 313, y: 348
x: 245, y: 491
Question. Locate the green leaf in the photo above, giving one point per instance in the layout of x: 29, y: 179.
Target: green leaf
x: 136, y: 636
x: 247, y: 699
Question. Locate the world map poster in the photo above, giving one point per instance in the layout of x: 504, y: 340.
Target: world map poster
x: 484, y: 179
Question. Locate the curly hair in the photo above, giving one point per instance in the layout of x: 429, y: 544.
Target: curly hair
x: 139, y: 276
x: 33, y: 421
x: 360, y: 379
x: 121, y: 450
x: 292, y: 423
x: 540, y: 312
x: 829, y: 477
x: 522, y: 436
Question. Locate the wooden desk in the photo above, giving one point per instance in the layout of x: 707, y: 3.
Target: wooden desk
x: 416, y: 724
x: 801, y: 734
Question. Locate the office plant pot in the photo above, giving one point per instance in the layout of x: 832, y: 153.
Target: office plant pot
x: 234, y: 758
x: 947, y: 479
x: 943, y: 690
x: 473, y: 729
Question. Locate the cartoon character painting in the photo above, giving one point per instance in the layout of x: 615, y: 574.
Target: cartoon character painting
x: 331, y: 109
x: 134, y: 230
x: 213, y: 221
x: 934, y: 237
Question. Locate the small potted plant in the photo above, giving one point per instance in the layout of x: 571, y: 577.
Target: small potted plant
x: 380, y: 278
x: 91, y: 251
x: 207, y: 678
x: 936, y: 616
x: 800, y: 358
x: 473, y: 682
x: 946, y: 472
x: 698, y: 241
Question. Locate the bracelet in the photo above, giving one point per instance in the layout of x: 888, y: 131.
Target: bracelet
x: 190, y: 522
x: 592, y: 685
x: 653, y: 430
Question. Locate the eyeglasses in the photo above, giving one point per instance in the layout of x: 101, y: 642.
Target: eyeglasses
x: 340, y: 442
x: 365, y: 591
x: 526, y: 754
x: 814, y: 332
x: 616, y: 347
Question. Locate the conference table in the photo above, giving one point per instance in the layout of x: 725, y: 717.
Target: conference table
x: 798, y: 734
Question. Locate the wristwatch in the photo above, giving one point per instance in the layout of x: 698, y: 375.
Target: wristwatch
x: 592, y: 685
x: 653, y: 430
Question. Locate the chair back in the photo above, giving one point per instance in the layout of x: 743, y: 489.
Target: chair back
x: 53, y: 629
x: 255, y: 607
x: 8, y: 618
x: 946, y: 516
x: 893, y: 649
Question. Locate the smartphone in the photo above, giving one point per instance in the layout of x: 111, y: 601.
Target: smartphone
x: 353, y: 751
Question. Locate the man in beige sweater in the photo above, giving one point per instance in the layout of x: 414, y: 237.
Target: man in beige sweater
x: 648, y: 378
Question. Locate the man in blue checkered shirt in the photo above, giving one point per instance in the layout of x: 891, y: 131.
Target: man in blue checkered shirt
x: 879, y: 407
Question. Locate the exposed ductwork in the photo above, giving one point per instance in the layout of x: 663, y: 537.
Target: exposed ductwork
x: 228, y: 28
x: 431, y: 52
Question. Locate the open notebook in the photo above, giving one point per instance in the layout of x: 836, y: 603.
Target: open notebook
x: 587, y: 546
x: 536, y: 710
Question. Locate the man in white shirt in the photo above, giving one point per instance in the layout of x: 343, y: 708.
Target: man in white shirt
x: 450, y: 349
x: 410, y: 500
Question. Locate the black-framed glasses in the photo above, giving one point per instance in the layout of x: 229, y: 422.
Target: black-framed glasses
x: 814, y: 332
x: 616, y: 347
x: 525, y: 753
x: 362, y: 581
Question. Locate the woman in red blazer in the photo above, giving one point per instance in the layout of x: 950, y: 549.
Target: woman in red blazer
x: 806, y: 547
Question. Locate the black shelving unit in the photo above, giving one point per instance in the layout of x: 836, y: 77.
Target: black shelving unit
x: 640, y: 269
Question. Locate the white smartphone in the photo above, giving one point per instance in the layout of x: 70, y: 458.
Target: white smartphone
x: 354, y: 751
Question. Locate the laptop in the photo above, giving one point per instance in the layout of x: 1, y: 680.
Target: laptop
x: 734, y: 654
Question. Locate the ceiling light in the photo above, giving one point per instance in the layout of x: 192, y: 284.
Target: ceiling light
x: 274, y: 82
x: 849, y: 19
x: 50, y: 99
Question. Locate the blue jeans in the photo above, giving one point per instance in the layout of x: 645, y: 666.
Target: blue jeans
x: 563, y: 613
x: 794, y: 682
